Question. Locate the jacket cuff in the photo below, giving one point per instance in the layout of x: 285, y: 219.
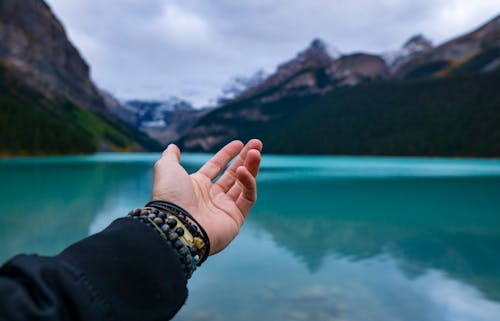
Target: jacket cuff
x: 133, y: 268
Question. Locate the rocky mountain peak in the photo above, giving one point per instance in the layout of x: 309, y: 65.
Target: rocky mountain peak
x: 34, y: 46
x: 299, y: 73
x: 43, y: 74
x: 239, y: 84
x: 417, y: 43
x: 350, y: 70
x: 316, y: 54
x: 413, y: 47
x: 318, y: 44
x: 445, y: 57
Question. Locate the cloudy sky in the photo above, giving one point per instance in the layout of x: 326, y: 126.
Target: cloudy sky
x: 152, y: 49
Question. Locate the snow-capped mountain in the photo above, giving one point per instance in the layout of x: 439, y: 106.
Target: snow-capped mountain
x: 155, y: 113
x: 163, y: 120
x: 412, y: 48
x: 239, y: 84
x: 316, y: 70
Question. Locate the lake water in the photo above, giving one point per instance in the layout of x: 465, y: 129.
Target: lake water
x: 330, y: 238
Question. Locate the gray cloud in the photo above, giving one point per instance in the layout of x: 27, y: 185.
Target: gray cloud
x: 190, y: 48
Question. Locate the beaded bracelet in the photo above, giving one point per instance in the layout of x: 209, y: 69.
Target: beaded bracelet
x: 176, y: 235
x: 188, y: 220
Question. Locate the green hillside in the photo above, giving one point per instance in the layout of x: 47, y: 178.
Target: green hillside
x: 452, y: 116
x: 33, y: 125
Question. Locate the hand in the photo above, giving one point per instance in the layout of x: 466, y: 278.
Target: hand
x: 219, y: 207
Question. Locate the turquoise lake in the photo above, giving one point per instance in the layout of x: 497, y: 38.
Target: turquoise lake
x: 330, y: 238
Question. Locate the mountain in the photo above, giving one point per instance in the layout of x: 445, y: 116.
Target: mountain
x: 120, y: 110
x: 477, y: 51
x: 165, y: 121
x: 302, y: 75
x: 239, y: 84
x: 358, y: 104
x: 33, y: 43
x: 450, y: 116
x: 43, y: 75
x: 317, y: 70
x: 413, y: 47
x: 350, y: 70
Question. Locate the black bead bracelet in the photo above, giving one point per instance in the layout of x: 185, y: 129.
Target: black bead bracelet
x: 189, y: 221
x: 175, y: 233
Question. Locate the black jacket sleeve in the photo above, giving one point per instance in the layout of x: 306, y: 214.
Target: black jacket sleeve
x: 126, y: 272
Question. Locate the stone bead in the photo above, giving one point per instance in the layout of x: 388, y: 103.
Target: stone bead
x: 165, y: 228
x: 162, y: 215
x: 188, y: 259
x: 179, y: 231
x: 143, y: 212
x: 193, y: 229
x: 172, y: 236
x: 183, y: 251
x: 158, y: 221
x: 172, y: 222
x: 178, y: 244
x: 155, y: 211
x: 198, y: 243
x: 193, y: 250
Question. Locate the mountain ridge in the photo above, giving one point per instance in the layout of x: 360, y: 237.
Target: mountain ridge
x: 35, y: 46
x: 301, y: 89
x: 42, y: 73
x: 452, y: 53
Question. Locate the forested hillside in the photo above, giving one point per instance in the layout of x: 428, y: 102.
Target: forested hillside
x: 31, y: 124
x: 451, y: 116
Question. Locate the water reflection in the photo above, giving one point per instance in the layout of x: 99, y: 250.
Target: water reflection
x: 449, y: 224
x: 329, y: 239
x: 46, y: 205
x: 267, y: 283
x: 383, y: 242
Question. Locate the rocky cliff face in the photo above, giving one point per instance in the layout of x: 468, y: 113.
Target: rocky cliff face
x: 34, y: 46
x: 45, y: 83
x: 353, y: 69
x: 120, y: 110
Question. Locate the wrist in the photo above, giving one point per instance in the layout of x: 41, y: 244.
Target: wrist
x: 179, y: 230
x: 193, y: 226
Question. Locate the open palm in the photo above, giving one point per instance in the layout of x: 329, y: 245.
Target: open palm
x: 220, y: 206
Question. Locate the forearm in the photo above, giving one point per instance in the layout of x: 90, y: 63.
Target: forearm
x: 126, y: 272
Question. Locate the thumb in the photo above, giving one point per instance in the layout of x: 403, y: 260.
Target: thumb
x: 172, y: 153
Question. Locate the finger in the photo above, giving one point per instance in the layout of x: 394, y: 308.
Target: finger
x: 229, y: 177
x: 218, y: 162
x: 248, y: 194
x: 252, y: 164
x: 172, y: 153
